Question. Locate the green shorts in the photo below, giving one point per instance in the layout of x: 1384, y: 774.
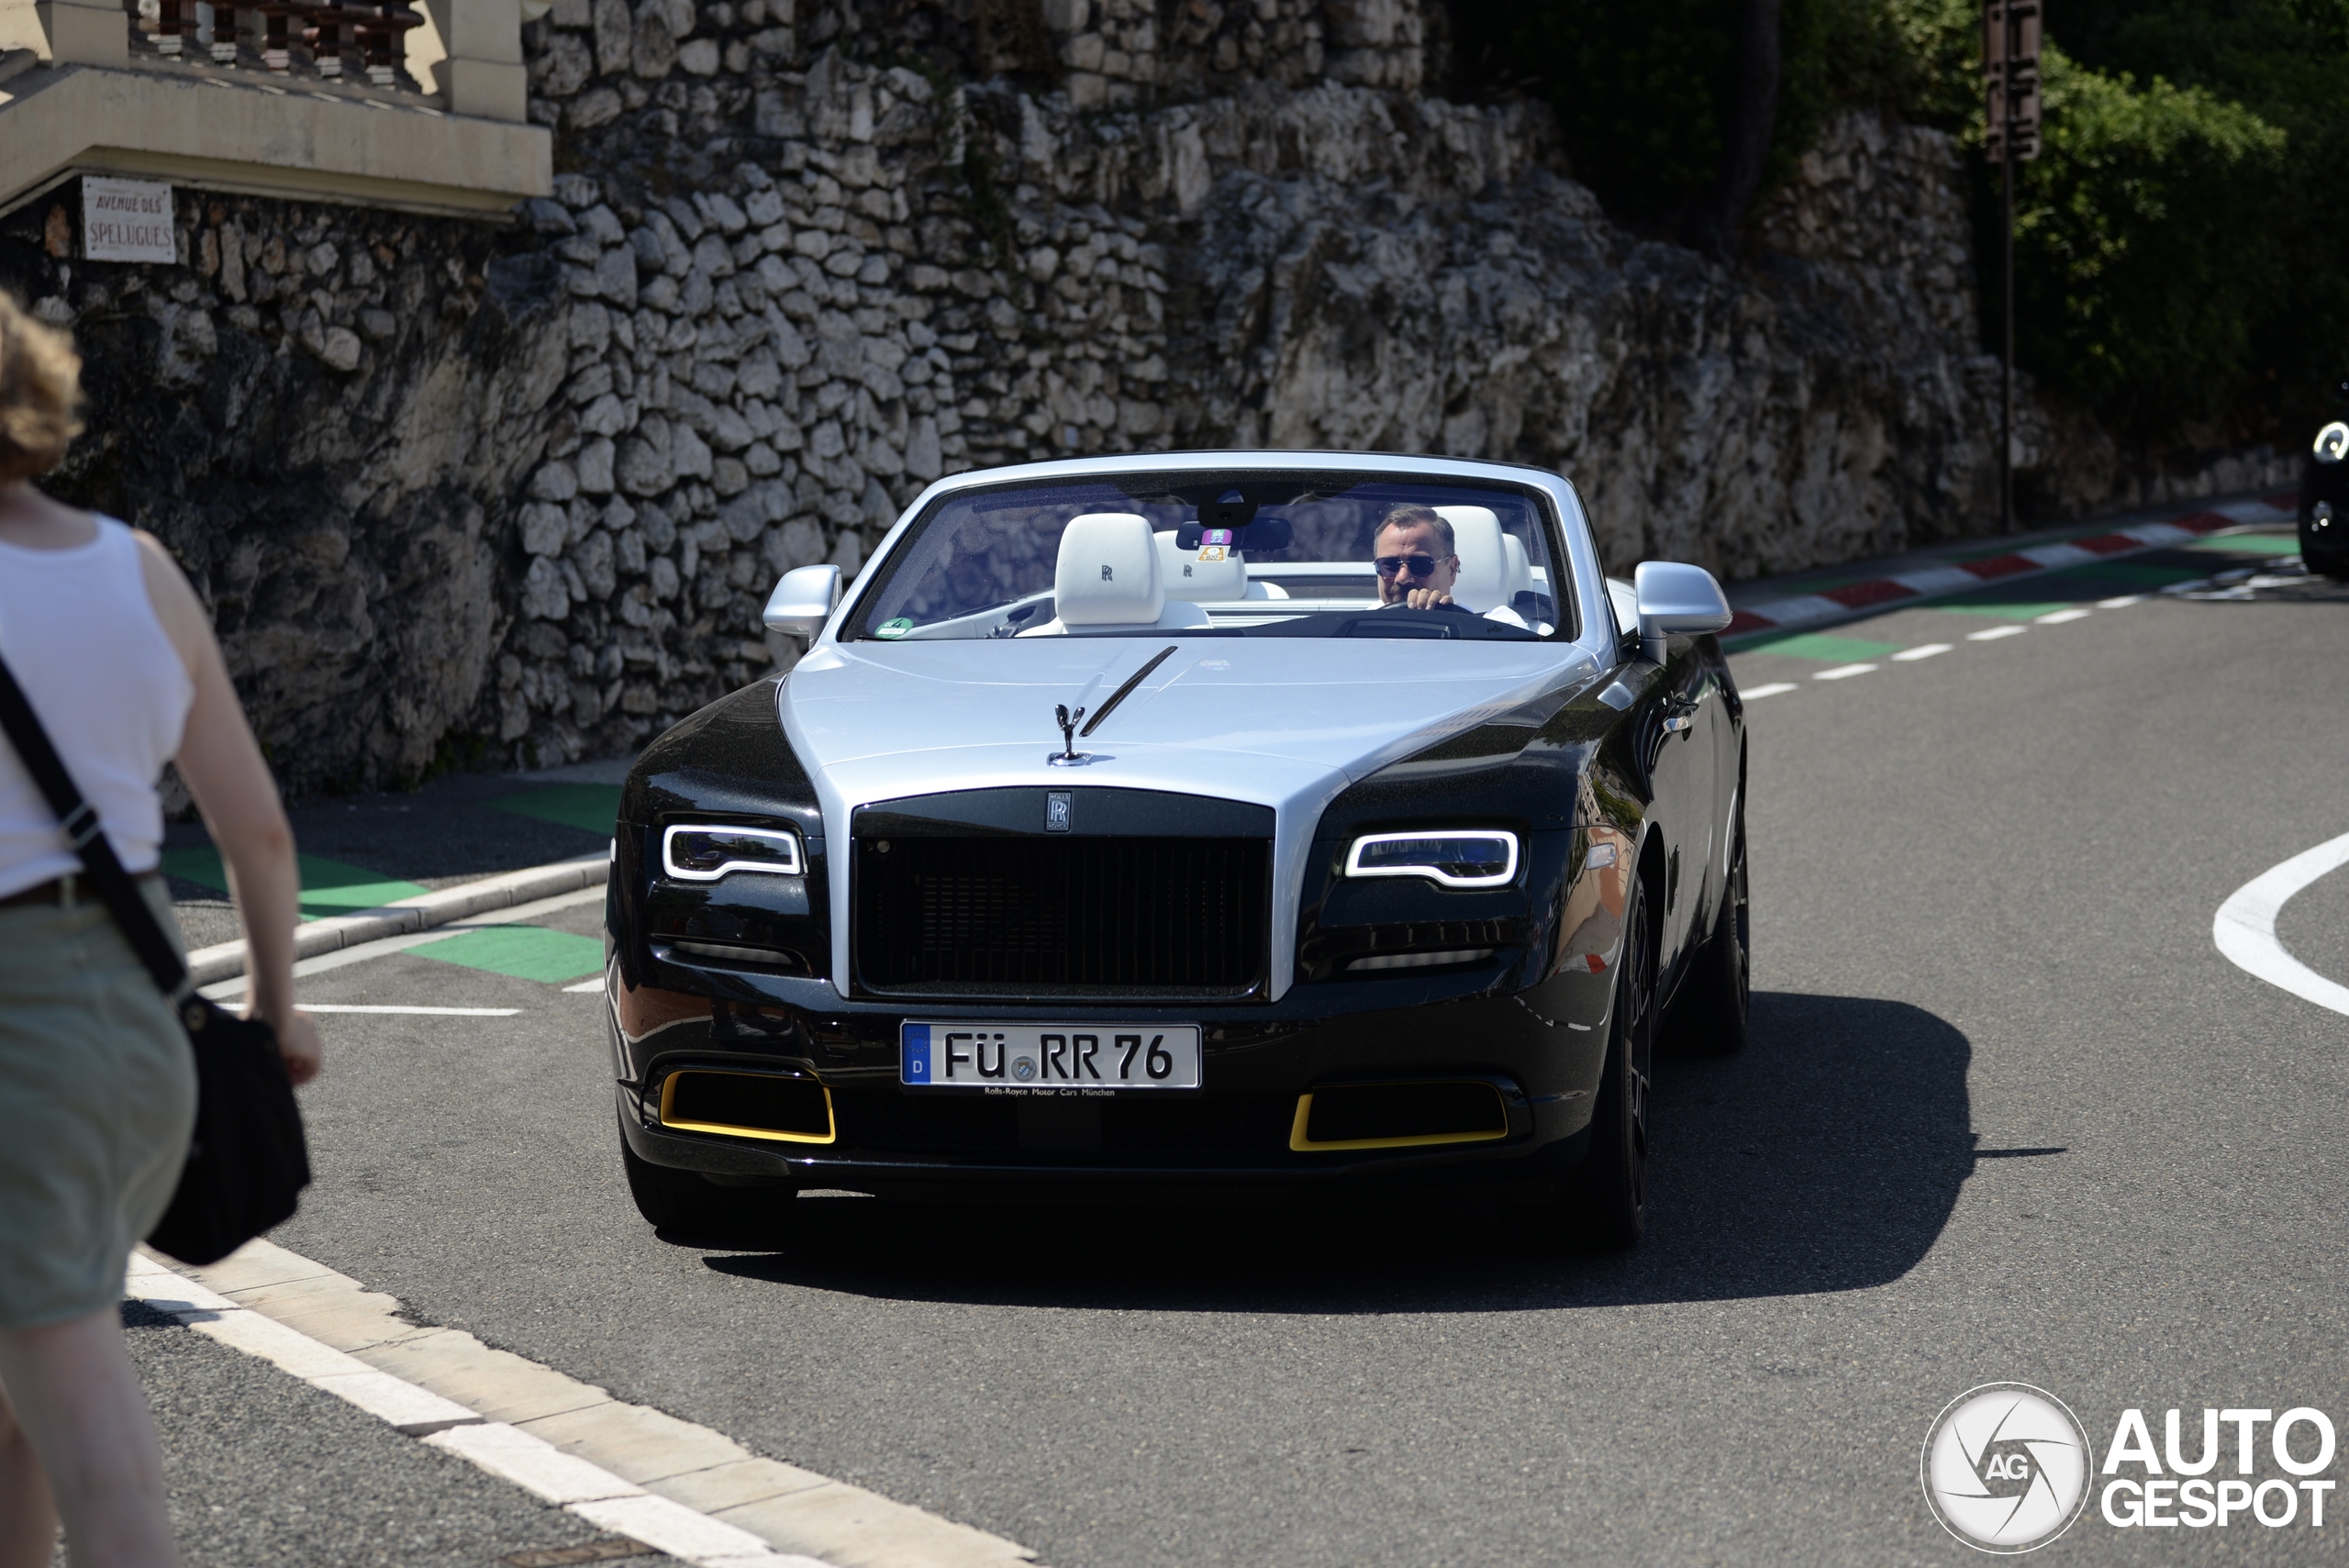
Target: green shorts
x: 97, y: 1098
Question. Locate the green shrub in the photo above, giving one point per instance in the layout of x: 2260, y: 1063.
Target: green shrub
x: 2182, y: 261
x: 2142, y: 277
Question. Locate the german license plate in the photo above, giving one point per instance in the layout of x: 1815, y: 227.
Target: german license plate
x: 1025, y: 1059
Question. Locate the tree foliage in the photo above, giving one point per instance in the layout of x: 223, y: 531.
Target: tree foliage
x: 2182, y: 262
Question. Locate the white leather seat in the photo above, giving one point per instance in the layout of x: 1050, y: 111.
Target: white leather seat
x: 1521, y: 570
x: 1108, y: 577
x: 1483, y: 583
x: 1200, y: 582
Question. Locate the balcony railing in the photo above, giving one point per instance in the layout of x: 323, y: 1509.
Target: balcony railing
x: 332, y: 41
x: 130, y: 87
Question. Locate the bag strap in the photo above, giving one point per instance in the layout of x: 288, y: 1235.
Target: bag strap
x: 80, y: 819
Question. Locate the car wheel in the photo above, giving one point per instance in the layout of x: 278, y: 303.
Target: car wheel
x: 698, y: 1209
x: 1607, y: 1198
x: 1719, y: 996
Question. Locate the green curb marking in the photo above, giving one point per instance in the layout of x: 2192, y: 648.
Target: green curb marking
x: 1822, y: 646
x: 523, y: 953
x: 328, y: 887
x: 2251, y: 544
x: 592, y: 808
x: 2011, y: 611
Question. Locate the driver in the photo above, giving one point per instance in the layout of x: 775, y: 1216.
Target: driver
x: 1412, y: 550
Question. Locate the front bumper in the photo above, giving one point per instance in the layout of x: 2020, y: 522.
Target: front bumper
x: 1543, y: 1050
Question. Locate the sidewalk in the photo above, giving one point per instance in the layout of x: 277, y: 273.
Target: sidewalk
x: 363, y: 852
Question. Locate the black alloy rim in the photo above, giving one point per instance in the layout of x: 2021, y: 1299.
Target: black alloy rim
x: 1639, y: 1041
x: 1741, y: 930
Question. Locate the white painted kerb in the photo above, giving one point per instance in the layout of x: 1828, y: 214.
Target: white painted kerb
x: 2244, y: 928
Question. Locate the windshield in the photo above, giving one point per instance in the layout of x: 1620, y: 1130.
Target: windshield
x: 1253, y: 555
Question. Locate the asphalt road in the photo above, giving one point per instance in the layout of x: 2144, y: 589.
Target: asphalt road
x: 266, y: 1469
x: 2007, y: 1115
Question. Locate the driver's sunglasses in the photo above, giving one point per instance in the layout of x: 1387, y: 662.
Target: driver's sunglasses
x: 1412, y: 565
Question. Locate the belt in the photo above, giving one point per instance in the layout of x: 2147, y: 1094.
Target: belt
x: 64, y: 892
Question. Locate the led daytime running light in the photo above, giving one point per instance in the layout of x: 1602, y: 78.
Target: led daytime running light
x: 706, y: 852
x: 1454, y: 859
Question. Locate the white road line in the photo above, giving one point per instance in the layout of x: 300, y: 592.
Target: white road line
x: 2244, y: 928
x: 1843, y: 671
x: 1922, y: 651
x: 530, y: 1462
x: 1772, y: 690
x: 1994, y: 633
x: 584, y: 986
x: 384, y: 947
x: 2057, y: 618
x: 2122, y: 603
x: 428, y: 1012
x: 686, y: 1489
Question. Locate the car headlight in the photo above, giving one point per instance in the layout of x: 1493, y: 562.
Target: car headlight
x: 704, y: 853
x: 1467, y: 857
x: 2333, y: 442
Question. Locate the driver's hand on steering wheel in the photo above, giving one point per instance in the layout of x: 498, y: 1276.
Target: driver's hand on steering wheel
x: 1425, y: 599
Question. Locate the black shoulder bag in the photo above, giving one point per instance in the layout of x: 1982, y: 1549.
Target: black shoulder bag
x: 248, y: 1162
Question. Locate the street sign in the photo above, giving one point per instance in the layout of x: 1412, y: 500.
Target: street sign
x: 127, y: 220
x: 2010, y: 77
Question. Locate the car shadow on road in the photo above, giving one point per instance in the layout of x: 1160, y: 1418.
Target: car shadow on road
x: 1828, y: 1156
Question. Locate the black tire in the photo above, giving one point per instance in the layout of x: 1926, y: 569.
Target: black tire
x: 1717, y: 997
x: 1606, y: 1197
x: 692, y: 1206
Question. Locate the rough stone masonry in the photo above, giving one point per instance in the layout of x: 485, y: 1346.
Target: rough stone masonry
x: 463, y: 493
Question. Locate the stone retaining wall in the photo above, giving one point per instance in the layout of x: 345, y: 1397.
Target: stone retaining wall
x: 470, y: 493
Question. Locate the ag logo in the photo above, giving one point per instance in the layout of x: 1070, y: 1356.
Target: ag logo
x: 2006, y: 1467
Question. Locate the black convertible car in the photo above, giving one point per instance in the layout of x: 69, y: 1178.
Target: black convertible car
x: 1240, y: 820
x: 2324, y: 503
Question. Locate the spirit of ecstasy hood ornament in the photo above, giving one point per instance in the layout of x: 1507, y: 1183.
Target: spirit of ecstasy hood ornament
x: 1069, y: 756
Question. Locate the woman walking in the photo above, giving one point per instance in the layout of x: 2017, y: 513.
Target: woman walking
x: 98, y: 1083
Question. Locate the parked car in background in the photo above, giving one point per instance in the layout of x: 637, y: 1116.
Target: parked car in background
x: 2324, y: 503
x: 1130, y: 825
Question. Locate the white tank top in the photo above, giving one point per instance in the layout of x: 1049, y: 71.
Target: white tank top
x: 79, y: 631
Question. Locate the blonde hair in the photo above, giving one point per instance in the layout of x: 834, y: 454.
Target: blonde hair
x: 40, y: 394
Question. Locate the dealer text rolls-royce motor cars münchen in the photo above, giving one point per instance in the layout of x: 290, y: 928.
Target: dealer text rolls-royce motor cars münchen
x: 1252, y: 821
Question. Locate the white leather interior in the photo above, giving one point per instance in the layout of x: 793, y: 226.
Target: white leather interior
x: 1482, y: 583
x: 1521, y: 570
x: 1108, y: 571
x: 1200, y: 582
x: 1109, y: 575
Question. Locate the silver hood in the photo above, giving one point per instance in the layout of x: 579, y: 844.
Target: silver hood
x: 1285, y: 722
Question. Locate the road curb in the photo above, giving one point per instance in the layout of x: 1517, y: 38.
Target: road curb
x: 1873, y: 595
x: 227, y: 960
x: 595, y: 1494
x: 691, y: 1491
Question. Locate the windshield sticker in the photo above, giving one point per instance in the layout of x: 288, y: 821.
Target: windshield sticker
x: 897, y: 628
x: 1212, y: 553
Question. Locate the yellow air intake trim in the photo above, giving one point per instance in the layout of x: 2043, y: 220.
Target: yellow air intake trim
x: 767, y: 1105
x: 1397, y: 1115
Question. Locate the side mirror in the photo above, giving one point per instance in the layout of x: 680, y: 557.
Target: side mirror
x: 1676, y: 600
x: 804, y: 599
